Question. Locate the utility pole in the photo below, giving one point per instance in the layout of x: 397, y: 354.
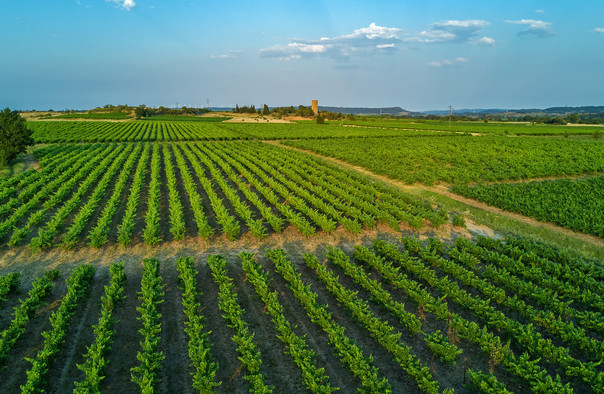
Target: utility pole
x: 208, y: 103
x: 450, y: 115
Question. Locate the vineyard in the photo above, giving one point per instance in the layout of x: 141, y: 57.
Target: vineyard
x: 395, y: 316
x: 171, y: 255
x: 578, y: 205
x: 172, y: 191
x: 512, y: 128
x: 464, y: 159
x: 134, y: 131
x: 175, y: 128
x: 194, y: 128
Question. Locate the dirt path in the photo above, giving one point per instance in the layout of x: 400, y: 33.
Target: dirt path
x: 442, y: 190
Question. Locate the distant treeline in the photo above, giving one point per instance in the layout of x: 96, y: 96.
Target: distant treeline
x: 301, y: 111
x: 145, y: 112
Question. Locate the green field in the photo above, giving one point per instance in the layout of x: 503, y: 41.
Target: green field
x: 461, y: 159
x: 480, y: 127
x: 212, y: 188
x: 94, y: 115
x: 185, y: 256
x: 575, y: 204
x: 175, y: 128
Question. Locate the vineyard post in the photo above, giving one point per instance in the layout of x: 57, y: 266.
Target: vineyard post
x: 465, y: 368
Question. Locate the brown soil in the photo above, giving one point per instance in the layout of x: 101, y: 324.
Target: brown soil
x: 254, y: 118
x: 277, y: 365
x: 31, y: 162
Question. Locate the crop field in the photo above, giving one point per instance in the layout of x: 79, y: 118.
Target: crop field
x: 575, y: 204
x: 194, y: 256
x: 313, y: 131
x: 480, y: 127
x: 185, y: 118
x: 463, y: 159
x: 102, y: 115
x: 96, y: 193
x: 399, y: 316
x: 173, y: 128
x: 140, y: 130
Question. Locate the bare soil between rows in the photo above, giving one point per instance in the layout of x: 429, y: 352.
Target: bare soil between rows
x: 277, y: 365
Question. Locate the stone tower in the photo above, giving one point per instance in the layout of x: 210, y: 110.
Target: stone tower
x: 315, y: 106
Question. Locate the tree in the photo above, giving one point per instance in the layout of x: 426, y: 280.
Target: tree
x: 320, y: 119
x: 573, y: 118
x: 15, y: 137
x: 140, y: 111
x: 266, y: 111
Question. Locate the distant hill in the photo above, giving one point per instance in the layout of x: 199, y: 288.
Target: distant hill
x: 398, y: 111
x: 574, y: 110
x: 366, y: 110
x: 536, y: 111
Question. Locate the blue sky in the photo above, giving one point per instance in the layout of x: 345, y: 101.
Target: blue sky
x: 417, y: 55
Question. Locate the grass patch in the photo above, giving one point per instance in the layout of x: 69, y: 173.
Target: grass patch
x: 511, y: 227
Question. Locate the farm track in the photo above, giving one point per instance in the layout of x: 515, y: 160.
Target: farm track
x: 444, y: 192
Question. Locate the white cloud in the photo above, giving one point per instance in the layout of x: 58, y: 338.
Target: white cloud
x: 450, y: 31
x: 448, y: 63
x: 539, y: 11
x: 534, y: 28
x: 599, y: 30
x: 126, y: 4
x: 486, y: 41
x: 374, y: 32
x: 365, y: 41
x: 229, y: 55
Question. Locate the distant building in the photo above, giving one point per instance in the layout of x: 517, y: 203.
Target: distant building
x: 315, y: 106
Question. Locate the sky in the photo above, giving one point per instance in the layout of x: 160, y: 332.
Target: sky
x: 419, y: 55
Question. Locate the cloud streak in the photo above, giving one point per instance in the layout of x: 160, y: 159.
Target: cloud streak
x: 451, y: 31
x: 229, y: 55
x: 374, y: 39
x: 599, y: 30
x: 448, y: 63
x: 534, y: 28
x: 366, y: 41
x: 125, y: 4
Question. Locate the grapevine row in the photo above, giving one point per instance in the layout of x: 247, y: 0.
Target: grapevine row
x: 126, y: 228
x: 525, y: 335
x: 151, y: 232
x: 177, y: 219
x: 24, y: 312
x: 313, y: 378
x: 522, y: 367
x: 378, y: 329
x: 95, y: 358
x: 229, y: 225
x: 51, y: 229
x: 350, y: 354
x: 80, y: 221
x: 249, y: 353
x: 78, y: 284
x: 199, y: 346
x: 98, y: 236
x: 8, y: 284
x: 146, y: 374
